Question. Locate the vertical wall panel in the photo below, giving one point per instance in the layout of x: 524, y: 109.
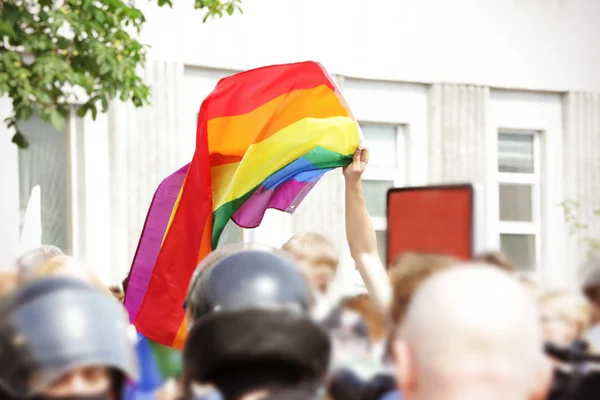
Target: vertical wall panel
x: 457, y: 133
x: 581, y: 152
x: 144, y: 145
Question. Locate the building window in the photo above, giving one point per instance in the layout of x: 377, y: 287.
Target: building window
x: 46, y: 163
x: 231, y: 234
x: 519, y: 171
x: 386, y: 149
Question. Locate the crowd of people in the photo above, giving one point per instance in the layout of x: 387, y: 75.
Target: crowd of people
x: 263, y: 324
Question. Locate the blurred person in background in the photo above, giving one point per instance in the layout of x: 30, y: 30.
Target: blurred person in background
x: 61, y: 338
x: 356, y: 373
x: 407, y: 273
x: 497, y: 259
x: 32, y: 260
x: 67, y: 266
x: 471, y: 333
x: 251, y: 334
x: 318, y: 256
x: 565, y: 316
x: 533, y: 286
x: 118, y: 293
x: 8, y: 281
x: 591, y: 287
x: 364, y: 305
x: 318, y: 260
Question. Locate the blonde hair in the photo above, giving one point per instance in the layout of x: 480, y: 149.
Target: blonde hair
x: 569, y: 305
x: 30, y: 261
x: 312, y: 245
x: 70, y: 267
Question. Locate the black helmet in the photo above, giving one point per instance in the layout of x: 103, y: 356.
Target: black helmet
x: 249, y: 302
x: 53, y: 325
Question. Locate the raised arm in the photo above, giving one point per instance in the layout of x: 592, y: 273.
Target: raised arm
x: 361, y: 234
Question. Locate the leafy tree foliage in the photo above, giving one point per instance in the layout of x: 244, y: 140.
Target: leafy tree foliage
x: 581, y: 230
x: 56, y: 53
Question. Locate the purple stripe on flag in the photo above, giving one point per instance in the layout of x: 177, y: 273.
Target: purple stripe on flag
x: 285, y: 197
x: 156, y: 223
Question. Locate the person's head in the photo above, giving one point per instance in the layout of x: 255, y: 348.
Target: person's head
x: 471, y: 333
x: 249, y: 314
x: 496, y: 259
x: 407, y: 272
x: 590, y: 284
x: 118, y: 293
x: 124, y: 283
x: 8, y: 282
x: 66, y: 266
x: 565, y: 315
x: 316, y: 256
x: 32, y: 260
x: 63, y: 338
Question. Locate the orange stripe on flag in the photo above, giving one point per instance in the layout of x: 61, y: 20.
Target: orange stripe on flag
x: 252, y: 89
x: 268, y: 119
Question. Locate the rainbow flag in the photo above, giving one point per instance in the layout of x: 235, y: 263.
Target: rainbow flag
x: 157, y: 363
x: 264, y: 138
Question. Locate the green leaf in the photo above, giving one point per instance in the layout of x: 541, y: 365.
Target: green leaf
x: 101, y: 60
x: 81, y: 111
x: 57, y: 120
x: 104, y: 104
x: 99, y: 15
x: 20, y: 140
x: 42, y: 96
x: 6, y: 29
x: 104, y: 69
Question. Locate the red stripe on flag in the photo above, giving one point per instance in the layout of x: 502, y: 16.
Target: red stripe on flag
x: 161, y: 313
x: 251, y: 89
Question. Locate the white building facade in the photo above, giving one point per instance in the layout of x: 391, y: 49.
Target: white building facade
x: 500, y: 92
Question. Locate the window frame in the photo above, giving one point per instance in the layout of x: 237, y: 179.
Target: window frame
x: 396, y: 175
x: 532, y: 180
x: 73, y: 157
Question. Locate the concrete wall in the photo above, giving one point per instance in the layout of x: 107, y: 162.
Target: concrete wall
x: 532, y: 44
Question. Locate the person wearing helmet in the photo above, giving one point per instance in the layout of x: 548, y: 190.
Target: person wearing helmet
x: 61, y: 338
x: 251, y: 332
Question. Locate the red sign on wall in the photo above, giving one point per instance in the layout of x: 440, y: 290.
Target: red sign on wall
x: 431, y: 219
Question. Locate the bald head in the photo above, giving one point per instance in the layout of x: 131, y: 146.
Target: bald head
x: 471, y: 329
